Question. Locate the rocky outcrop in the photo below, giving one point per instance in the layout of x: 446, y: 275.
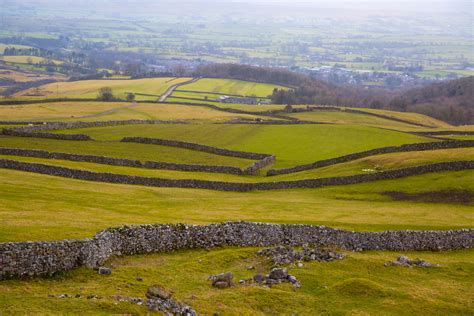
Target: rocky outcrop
x: 18, y: 259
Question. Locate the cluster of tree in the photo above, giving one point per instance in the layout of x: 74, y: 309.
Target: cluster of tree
x: 252, y: 73
x: 106, y: 94
x: 13, y: 51
x: 451, y: 101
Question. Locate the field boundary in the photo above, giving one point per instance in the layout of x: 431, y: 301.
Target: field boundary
x: 45, y: 258
x: 218, y: 93
x: 354, y: 111
x: 264, y: 160
x: 232, y: 186
x: 195, y: 146
x: 449, y: 144
x: 125, y: 162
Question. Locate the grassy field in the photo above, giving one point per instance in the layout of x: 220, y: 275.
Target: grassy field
x: 90, y: 88
x: 41, y: 207
x: 293, y: 145
x: 359, y: 284
x: 410, y: 116
x: 123, y: 150
x: 104, y: 111
x: 351, y: 118
x: 360, y: 166
x: 29, y: 60
x: 29, y: 202
x: 229, y: 86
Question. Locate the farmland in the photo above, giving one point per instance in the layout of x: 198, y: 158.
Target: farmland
x: 208, y: 90
x: 150, y: 88
x: 38, y: 206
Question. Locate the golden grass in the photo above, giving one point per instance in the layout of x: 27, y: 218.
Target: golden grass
x: 90, y: 88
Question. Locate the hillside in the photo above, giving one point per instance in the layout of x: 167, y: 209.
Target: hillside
x: 452, y: 101
x: 91, y: 165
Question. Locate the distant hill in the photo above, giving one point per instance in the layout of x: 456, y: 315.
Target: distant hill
x: 451, y: 101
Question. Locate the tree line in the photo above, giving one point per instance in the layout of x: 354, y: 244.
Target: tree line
x: 450, y: 101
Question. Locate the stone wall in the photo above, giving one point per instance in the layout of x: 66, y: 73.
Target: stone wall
x: 232, y: 186
x: 377, y: 151
x: 70, y: 125
x: 21, y: 259
x: 435, y: 133
x: 258, y: 165
x: 20, y: 133
x: 122, y: 162
x: 193, y: 146
x: 379, y: 115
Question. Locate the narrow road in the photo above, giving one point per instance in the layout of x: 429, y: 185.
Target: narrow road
x: 171, y: 89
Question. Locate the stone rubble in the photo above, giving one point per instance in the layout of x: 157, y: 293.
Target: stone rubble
x: 404, y: 261
x: 160, y: 300
x: 222, y: 280
x: 43, y: 258
x: 282, y: 255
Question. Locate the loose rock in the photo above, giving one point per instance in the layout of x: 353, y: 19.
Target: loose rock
x: 156, y: 291
x: 404, y: 261
x: 222, y: 280
x: 286, y: 255
x: 104, y: 271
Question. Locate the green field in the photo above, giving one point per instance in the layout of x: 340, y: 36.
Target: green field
x: 292, y: 145
x: 208, y: 90
x: 41, y: 207
x: 29, y: 60
x: 359, y: 284
x: 229, y: 86
x: 105, y: 111
x: 90, y: 88
x: 368, y: 120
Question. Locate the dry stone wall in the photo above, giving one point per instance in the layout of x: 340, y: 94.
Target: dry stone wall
x: 377, y: 151
x: 21, y: 259
x: 121, y: 162
x: 70, y: 125
x: 232, y: 186
x: 20, y: 133
x: 193, y: 146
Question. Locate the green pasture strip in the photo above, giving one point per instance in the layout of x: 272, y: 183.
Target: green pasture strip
x: 291, y: 144
x: 349, y: 118
x: 81, y: 208
x: 409, y: 116
x: 230, y: 86
x: 90, y: 88
x: 361, y: 166
x: 211, y: 96
x: 100, y: 111
x: 135, y: 171
x: 383, y: 162
x: 459, y: 137
x: 358, y: 283
x: 135, y: 151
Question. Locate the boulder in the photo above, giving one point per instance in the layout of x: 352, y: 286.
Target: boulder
x: 278, y: 274
x: 222, y: 280
x: 259, y: 278
x: 104, y: 271
x: 156, y: 291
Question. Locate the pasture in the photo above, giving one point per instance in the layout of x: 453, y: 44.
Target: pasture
x: 151, y: 88
x: 103, y: 111
x: 29, y: 60
x: 37, y: 206
x: 292, y: 145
